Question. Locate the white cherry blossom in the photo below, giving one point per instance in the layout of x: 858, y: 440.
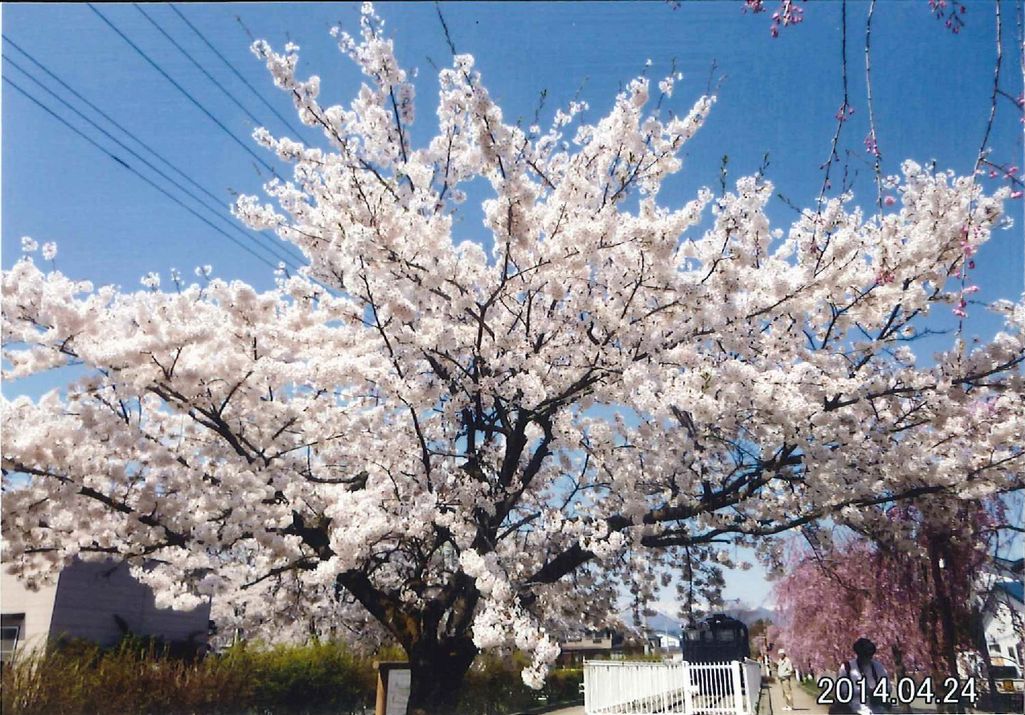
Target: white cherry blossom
x: 476, y: 448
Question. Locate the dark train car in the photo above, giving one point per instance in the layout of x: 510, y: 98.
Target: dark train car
x: 716, y: 639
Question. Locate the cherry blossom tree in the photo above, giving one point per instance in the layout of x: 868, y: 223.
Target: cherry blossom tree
x: 822, y: 603
x: 912, y: 582
x: 475, y: 447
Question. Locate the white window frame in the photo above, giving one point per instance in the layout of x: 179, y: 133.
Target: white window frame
x: 7, y: 653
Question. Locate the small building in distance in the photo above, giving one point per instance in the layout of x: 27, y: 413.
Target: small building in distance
x: 605, y: 644
x: 98, y: 602
x: 665, y: 644
x: 1004, y: 610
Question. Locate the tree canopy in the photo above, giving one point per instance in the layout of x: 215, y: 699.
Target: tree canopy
x: 472, y: 446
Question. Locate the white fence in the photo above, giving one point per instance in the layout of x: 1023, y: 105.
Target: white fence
x: 752, y: 684
x: 642, y: 688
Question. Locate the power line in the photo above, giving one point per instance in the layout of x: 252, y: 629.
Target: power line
x: 198, y: 66
x: 103, y: 114
x: 271, y: 237
x: 181, y: 89
x: 127, y: 166
x: 231, y: 67
x: 272, y: 249
x: 287, y: 248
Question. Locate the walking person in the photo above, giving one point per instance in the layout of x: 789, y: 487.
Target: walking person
x: 864, y: 667
x: 785, y: 675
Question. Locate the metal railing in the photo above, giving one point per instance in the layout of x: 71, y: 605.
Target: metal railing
x: 646, y: 688
x: 752, y: 684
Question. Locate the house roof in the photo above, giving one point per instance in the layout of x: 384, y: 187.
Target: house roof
x: 1014, y: 566
x: 1015, y: 589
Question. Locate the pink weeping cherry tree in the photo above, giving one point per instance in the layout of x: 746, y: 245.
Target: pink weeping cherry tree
x: 913, y: 581
x: 474, y: 448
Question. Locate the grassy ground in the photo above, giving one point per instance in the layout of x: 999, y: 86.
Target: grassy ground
x: 810, y: 687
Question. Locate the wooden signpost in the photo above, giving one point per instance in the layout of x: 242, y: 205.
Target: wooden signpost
x: 392, y: 687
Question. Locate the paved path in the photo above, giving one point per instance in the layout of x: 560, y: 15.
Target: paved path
x: 772, y: 701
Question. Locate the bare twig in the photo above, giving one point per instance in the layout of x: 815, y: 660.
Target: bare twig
x: 996, y: 89
x: 980, y: 159
x: 872, y: 141
x: 845, y: 107
x: 444, y: 28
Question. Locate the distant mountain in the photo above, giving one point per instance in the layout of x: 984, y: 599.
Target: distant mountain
x: 736, y: 608
x: 661, y: 623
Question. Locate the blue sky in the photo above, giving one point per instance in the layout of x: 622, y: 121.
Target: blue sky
x: 776, y: 96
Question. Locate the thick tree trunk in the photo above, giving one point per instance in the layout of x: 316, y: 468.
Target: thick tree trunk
x: 436, y: 639
x: 437, y: 670
x: 946, y: 613
x: 901, y: 670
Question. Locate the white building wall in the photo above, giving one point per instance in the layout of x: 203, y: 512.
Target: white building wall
x: 36, y: 605
x: 91, y: 594
x: 1003, y: 627
x: 83, y: 604
x: 667, y: 641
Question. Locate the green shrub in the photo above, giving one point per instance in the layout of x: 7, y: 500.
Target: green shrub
x: 138, y: 677
x: 494, y: 686
x: 318, y: 677
x: 76, y: 679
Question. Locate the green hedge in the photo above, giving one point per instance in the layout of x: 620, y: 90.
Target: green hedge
x: 137, y: 678
x: 494, y: 686
x: 285, y: 680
